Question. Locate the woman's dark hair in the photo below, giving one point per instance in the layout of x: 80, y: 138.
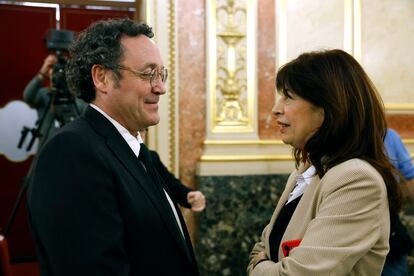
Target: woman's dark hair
x: 354, y: 123
x: 99, y: 44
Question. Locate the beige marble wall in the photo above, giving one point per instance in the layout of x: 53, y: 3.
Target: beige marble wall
x: 403, y: 124
x: 266, y: 68
x: 191, y: 90
x: 387, y: 47
x: 314, y: 25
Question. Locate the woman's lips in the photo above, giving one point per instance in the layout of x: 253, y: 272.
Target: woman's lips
x: 282, y: 126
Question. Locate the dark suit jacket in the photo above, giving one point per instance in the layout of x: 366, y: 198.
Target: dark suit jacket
x: 178, y: 190
x: 94, y: 211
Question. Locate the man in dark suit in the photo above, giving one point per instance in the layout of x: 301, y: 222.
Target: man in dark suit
x: 96, y: 204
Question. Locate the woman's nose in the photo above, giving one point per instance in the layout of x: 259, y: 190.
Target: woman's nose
x: 277, y: 108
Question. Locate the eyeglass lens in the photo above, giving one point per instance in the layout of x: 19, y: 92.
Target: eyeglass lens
x: 159, y: 74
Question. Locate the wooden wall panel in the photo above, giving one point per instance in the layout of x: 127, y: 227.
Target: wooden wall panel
x: 21, y: 53
x: 22, y: 49
x: 78, y: 19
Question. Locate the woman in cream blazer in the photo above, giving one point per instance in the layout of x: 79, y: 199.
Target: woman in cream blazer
x: 333, y: 216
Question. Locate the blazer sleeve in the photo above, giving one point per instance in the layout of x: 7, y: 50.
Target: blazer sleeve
x: 350, y: 212
x: 74, y: 209
x: 258, y: 247
x: 178, y: 189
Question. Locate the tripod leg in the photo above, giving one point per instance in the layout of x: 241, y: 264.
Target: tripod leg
x: 28, y: 178
x: 22, y: 191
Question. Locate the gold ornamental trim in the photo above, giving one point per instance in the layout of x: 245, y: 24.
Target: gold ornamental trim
x: 243, y: 142
x: 232, y: 69
x: 245, y: 158
x: 171, y: 85
x: 407, y: 141
x: 399, y: 107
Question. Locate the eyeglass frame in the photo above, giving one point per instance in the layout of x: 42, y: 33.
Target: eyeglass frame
x: 152, y: 76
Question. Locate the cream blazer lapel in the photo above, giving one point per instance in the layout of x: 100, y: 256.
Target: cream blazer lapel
x: 290, y: 184
x: 298, y: 224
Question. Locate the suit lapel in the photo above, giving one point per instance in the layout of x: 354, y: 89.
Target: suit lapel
x: 297, y: 223
x: 125, y: 155
x: 291, y: 182
x: 187, y: 240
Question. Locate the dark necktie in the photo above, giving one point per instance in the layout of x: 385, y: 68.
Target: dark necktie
x: 145, y: 157
x: 146, y: 160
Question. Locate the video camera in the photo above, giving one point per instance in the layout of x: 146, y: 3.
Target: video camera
x: 59, y: 42
x: 62, y: 107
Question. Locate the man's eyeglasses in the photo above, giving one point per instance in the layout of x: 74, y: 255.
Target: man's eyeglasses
x: 153, y: 76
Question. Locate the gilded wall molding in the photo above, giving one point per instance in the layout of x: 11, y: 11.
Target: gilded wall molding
x: 231, y: 85
x: 247, y: 158
x: 243, y: 142
x: 265, y: 150
x: 232, y: 66
x: 163, y: 137
x: 402, y: 108
x: 172, y: 101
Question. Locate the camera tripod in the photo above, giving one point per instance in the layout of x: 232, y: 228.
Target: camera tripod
x: 61, y: 109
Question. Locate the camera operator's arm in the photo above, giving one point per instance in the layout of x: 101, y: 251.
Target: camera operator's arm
x: 33, y: 92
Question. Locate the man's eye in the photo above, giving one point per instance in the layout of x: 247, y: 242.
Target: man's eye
x: 152, y: 74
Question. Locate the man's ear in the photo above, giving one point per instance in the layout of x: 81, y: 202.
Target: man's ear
x: 100, y: 78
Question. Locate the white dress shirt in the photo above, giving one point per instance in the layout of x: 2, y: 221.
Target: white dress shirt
x: 302, y: 182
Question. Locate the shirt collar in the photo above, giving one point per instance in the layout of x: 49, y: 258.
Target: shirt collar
x: 132, y: 141
x: 302, y: 182
x: 308, y: 174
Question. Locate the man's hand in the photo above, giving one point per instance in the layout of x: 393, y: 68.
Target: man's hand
x: 49, y: 61
x: 197, y: 201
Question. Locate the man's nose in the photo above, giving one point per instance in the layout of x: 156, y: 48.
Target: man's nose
x: 159, y: 86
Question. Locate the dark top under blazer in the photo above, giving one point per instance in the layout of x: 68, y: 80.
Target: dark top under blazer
x: 94, y: 211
